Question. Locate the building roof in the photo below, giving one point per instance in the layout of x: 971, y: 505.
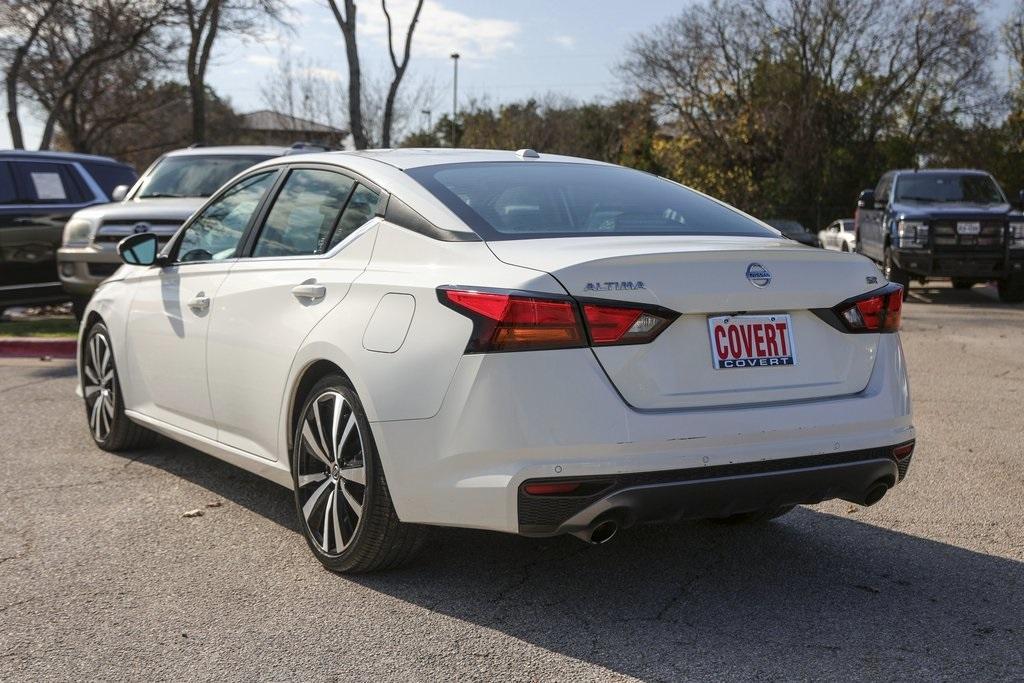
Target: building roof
x: 268, y: 120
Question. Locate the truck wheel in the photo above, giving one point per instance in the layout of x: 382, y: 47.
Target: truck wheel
x: 1011, y: 289
x: 962, y: 284
x: 894, y: 273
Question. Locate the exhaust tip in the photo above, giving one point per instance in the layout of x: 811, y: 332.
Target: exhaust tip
x: 603, y: 532
x: 875, y: 494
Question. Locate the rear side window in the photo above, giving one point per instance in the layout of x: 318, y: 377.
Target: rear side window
x: 7, y: 193
x: 109, y: 176
x: 516, y: 200
x: 306, y: 210
x: 46, y: 182
x: 360, y: 208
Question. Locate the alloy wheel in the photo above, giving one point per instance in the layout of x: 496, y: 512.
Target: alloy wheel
x: 331, y: 472
x: 99, y: 388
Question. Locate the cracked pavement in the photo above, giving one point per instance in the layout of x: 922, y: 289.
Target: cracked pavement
x: 102, y: 578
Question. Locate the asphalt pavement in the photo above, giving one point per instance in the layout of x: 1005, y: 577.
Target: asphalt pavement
x: 102, y: 578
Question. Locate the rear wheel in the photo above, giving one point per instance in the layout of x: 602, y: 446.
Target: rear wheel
x: 755, y: 517
x: 1011, y: 289
x: 962, y: 284
x: 893, y: 273
x: 845, y: 247
x: 109, y: 426
x: 341, y: 495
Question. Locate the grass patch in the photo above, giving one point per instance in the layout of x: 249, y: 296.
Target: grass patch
x: 46, y: 328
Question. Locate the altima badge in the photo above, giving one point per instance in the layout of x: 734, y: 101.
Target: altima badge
x: 758, y: 275
x: 628, y: 285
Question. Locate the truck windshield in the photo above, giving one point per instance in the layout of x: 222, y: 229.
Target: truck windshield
x: 529, y: 200
x: 968, y: 188
x: 194, y: 175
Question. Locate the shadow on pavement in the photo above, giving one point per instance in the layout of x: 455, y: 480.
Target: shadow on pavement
x: 979, y: 296
x: 812, y: 594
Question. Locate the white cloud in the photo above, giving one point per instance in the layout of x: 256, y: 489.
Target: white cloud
x: 566, y: 41
x: 261, y: 60
x: 321, y: 73
x: 440, y: 31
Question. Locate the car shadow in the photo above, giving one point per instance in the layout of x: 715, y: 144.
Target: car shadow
x: 812, y: 595
x: 979, y: 296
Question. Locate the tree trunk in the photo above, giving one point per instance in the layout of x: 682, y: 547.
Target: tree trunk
x: 51, y: 122
x: 12, y: 110
x: 347, y: 24
x: 399, y: 67
x: 197, y: 94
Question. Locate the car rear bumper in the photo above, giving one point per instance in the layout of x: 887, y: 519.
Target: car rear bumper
x: 712, y: 492
x: 980, y: 265
x: 82, y: 269
x: 510, y: 418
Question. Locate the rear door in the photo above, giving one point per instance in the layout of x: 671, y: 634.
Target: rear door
x: 312, y: 242
x: 708, y: 278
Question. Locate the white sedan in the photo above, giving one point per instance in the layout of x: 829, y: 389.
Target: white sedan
x: 525, y: 343
x: 838, y: 235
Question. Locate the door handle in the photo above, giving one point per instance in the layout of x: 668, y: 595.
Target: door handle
x: 309, y: 291
x: 199, y: 303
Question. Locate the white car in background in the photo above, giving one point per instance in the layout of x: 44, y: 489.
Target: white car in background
x: 838, y: 235
x: 526, y: 343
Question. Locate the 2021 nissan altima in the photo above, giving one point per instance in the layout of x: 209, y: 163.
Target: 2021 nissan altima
x: 525, y: 343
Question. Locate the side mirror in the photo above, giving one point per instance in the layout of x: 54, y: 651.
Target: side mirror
x: 866, y: 200
x: 138, y: 250
x: 119, y: 193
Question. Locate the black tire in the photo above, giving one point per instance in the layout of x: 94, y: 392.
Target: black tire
x: 78, y: 304
x: 1011, y: 289
x: 845, y: 247
x: 962, y: 284
x: 376, y: 539
x: 109, y: 427
x: 755, y: 517
x: 893, y: 273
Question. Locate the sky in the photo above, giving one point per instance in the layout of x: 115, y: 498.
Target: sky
x: 510, y: 49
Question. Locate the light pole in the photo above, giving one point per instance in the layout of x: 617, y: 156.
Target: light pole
x: 455, y: 92
x: 427, y: 113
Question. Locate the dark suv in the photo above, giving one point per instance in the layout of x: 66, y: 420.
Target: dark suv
x: 38, y: 193
x: 942, y: 223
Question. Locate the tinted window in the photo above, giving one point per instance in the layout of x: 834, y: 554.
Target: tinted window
x: 948, y: 187
x: 193, y: 175
x: 215, y: 233
x: 304, y: 214
x: 46, y: 182
x: 527, y: 199
x: 360, y: 208
x: 7, y: 193
x: 109, y: 176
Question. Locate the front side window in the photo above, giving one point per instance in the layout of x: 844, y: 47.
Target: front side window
x: 193, y: 175
x: 304, y: 214
x: 969, y: 188
x: 515, y: 200
x: 216, y: 232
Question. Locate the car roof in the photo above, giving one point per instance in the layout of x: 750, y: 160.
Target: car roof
x: 57, y: 156
x: 230, y: 150
x: 943, y: 171
x: 406, y: 158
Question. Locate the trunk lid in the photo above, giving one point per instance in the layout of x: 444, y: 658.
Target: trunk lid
x: 702, y: 277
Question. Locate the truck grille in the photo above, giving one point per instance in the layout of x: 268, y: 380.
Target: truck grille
x: 115, y: 231
x: 944, y: 234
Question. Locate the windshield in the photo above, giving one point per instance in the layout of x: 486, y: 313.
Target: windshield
x: 525, y: 200
x: 787, y: 227
x: 968, y: 188
x: 193, y: 176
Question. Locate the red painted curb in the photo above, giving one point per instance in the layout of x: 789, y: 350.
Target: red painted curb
x: 37, y: 348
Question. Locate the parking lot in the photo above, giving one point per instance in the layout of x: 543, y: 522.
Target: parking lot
x: 101, y: 576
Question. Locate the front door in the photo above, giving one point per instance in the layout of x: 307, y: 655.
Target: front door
x: 173, y: 305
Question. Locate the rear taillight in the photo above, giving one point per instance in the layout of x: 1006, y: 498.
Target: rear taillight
x: 514, y: 321
x: 877, y: 311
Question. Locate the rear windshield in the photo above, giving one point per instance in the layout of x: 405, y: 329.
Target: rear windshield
x: 969, y: 188
x: 525, y: 200
x: 192, y: 175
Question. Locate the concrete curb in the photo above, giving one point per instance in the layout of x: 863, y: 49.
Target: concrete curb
x: 17, y: 347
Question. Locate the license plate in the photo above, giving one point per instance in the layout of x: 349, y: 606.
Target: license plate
x: 751, y: 341
x: 971, y: 228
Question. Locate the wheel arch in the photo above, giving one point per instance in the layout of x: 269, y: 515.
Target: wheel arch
x: 312, y: 373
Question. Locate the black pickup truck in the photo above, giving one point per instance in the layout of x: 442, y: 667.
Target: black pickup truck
x: 943, y: 223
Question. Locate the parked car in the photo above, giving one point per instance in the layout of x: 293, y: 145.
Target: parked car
x: 511, y: 341
x: 170, y: 190
x: 794, y: 230
x: 943, y: 223
x: 38, y: 193
x: 838, y: 235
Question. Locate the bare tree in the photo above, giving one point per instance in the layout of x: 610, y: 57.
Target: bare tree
x: 1013, y: 34
x: 346, y: 21
x: 304, y: 90
x: 24, y: 21
x: 399, y: 68
x: 205, y: 20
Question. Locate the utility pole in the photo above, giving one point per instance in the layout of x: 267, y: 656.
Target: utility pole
x: 455, y: 92
x: 427, y: 113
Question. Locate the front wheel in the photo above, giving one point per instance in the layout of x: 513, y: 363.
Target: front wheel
x: 962, y: 284
x: 109, y: 426
x: 893, y: 273
x: 341, y: 495
x: 1011, y: 289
